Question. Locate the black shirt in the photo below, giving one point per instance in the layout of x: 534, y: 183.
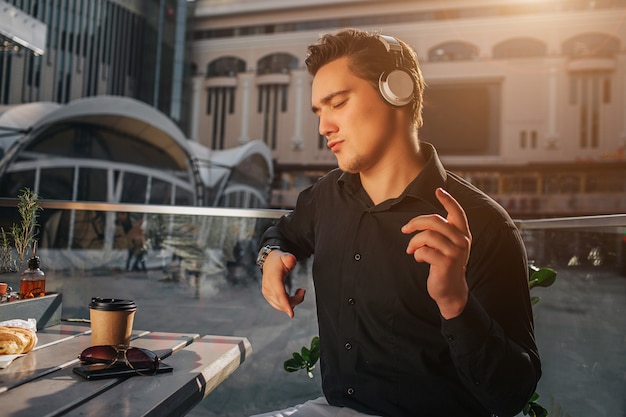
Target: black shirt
x: 385, y: 349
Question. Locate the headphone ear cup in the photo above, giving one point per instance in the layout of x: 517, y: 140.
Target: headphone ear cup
x: 396, y: 87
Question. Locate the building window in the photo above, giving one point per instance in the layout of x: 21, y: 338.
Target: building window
x: 277, y: 64
x: 519, y: 48
x: 221, y: 95
x: 562, y: 184
x: 475, y: 108
x: 453, y: 51
x: 273, y: 81
x: 588, y: 91
x: 591, y: 45
x: 590, y: 87
x: 520, y: 184
x: 528, y: 140
x: 228, y: 66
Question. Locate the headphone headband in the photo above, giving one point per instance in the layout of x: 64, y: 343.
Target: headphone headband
x: 392, y: 45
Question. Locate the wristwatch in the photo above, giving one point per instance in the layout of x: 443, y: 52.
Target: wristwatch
x: 265, y: 250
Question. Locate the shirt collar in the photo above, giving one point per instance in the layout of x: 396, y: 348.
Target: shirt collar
x: 423, y: 187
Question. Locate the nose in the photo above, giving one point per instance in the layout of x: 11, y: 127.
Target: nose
x: 327, y: 126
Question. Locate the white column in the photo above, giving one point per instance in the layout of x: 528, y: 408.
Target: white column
x: 297, y: 141
x: 196, y: 105
x: 552, y: 135
x: 245, y: 83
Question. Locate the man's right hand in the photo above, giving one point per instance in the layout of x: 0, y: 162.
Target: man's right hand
x: 277, y: 266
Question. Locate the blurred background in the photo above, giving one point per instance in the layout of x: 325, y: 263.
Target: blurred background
x: 163, y: 136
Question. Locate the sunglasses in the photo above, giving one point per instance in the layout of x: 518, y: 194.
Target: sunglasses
x: 142, y: 361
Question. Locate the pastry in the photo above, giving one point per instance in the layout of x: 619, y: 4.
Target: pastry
x: 16, y: 340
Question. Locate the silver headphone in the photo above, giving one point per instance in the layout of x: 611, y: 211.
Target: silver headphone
x: 396, y: 86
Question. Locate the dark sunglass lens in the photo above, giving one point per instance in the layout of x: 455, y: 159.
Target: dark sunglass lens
x: 142, y: 359
x: 98, y: 354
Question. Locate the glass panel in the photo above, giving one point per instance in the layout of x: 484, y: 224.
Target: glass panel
x: 160, y: 192
x: 13, y: 182
x: 92, y: 185
x: 58, y: 183
x: 134, y: 189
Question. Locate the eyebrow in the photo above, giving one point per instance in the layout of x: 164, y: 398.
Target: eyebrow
x: 327, y: 99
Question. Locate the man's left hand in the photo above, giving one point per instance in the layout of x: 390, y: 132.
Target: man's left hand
x: 445, y: 244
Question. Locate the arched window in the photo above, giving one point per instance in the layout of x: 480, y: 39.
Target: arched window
x: 280, y: 63
x: 228, y: 66
x: 453, y: 51
x: 221, y: 85
x: 591, y: 45
x: 519, y: 48
x: 273, y: 80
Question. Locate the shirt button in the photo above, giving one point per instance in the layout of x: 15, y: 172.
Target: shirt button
x: 351, y: 301
x: 348, y: 345
x: 450, y: 338
x: 357, y: 256
x: 350, y: 391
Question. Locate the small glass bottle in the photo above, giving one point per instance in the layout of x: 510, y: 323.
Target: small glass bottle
x: 33, y: 282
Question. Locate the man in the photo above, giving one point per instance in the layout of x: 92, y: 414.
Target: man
x: 420, y: 278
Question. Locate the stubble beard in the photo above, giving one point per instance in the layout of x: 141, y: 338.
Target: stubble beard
x: 352, y: 165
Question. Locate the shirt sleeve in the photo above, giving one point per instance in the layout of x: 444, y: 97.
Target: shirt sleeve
x: 492, y: 341
x: 294, y: 232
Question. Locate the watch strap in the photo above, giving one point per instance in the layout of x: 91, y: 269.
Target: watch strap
x: 263, y: 253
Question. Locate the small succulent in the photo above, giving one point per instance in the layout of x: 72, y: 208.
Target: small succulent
x: 305, y: 359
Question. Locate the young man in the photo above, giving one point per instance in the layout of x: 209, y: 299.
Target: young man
x: 420, y: 278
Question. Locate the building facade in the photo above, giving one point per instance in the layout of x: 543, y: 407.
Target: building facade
x: 526, y: 99
x: 130, y: 48
x: 113, y: 75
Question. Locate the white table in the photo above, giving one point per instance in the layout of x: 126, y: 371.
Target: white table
x: 42, y: 382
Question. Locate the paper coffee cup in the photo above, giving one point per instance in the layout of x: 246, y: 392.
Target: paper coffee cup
x: 111, y: 321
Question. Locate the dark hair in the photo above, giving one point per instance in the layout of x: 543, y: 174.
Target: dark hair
x: 367, y: 59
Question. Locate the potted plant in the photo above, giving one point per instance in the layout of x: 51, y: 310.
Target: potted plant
x: 22, y: 234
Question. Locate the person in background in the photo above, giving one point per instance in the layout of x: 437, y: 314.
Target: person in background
x: 421, y: 279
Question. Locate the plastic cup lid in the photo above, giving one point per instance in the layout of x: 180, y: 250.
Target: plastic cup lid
x: 112, y: 304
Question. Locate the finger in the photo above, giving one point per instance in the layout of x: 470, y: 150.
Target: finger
x: 429, y: 255
x: 432, y: 239
x: 456, y: 214
x: 422, y: 222
x: 296, y: 298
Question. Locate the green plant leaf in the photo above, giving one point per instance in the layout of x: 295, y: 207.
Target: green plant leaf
x: 541, y: 277
x: 292, y: 365
x: 315, y: 350
x: 305, y: 359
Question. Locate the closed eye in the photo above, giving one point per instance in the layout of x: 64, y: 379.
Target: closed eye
x: 334, y: 100
x: 339, y: 104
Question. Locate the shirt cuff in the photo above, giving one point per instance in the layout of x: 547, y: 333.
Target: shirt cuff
x: 467, y: 332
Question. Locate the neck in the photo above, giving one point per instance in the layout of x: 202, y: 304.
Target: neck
x: 388, y: 180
